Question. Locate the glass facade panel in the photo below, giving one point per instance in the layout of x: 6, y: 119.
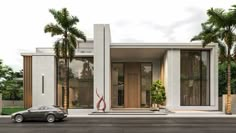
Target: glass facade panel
x: 146, y: 82
x: 117, y: 85
x: 80, y: 82
x: 195, y: 87
x: 205, y: 78
x: 118, y: 73
x: 61, y: 77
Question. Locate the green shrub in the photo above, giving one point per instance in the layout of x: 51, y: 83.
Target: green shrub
x: 158, y: 94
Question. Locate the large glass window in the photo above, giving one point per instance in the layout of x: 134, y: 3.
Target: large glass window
x: 195, y: 78
x: 146, y: 82
x: 118, y: 72
x: 117, y: 85
x: 80, y: 82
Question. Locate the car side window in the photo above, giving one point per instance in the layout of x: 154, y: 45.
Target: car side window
x: 42, y: 108
x: 35, y: 108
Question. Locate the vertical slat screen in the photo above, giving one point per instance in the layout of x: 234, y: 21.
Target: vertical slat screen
x: 27, y: 66
x: 162, y: 71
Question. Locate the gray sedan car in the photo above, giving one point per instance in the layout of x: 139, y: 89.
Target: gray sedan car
x: 48, y: 113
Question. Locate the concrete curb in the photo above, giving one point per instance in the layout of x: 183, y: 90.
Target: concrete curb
x: 153, y: 116
x: 5, y: 116
x: 148, y: 116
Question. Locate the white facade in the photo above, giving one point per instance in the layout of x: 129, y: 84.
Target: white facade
x: 43, y: 92
x: 105, y: 52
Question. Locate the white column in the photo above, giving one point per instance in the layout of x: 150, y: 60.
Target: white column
x: 173, y: 77
x: 107, y: 66
x: 98, y: 62
x: 214, y: 77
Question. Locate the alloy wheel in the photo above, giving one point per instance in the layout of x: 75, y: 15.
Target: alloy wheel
x: 50, y: 118
x: 18, y: 118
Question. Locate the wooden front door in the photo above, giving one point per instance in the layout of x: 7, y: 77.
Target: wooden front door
x: 132, y: 85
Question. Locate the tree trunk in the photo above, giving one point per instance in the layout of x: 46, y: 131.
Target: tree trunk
x: 65, y: 88
x: 67, y: 82
x: 228, y: 100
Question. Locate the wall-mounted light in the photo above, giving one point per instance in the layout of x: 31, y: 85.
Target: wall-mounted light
x: 42, y: 83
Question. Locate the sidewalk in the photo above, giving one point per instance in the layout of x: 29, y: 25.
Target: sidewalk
x: 176, y: 114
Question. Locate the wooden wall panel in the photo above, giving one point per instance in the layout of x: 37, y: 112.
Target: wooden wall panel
x: 162, y: 67
x: 27, y: 83
x: 132, y: 85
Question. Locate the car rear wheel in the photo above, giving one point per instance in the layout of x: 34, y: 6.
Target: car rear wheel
x: 50, y: 118
x: 19, y: 118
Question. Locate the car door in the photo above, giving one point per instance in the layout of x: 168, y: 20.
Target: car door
x: 33, y: 113
x: 42, y: 112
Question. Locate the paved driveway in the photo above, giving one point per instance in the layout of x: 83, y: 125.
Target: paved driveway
x: 123, y: 125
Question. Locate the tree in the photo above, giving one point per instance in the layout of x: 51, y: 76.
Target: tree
x: 65, y: 46
x: 11, y: 85
x: 223, y: 78
x: 219, y: 28
x: 6, y: 73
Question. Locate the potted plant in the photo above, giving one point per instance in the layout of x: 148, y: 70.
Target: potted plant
x: 158, y: 95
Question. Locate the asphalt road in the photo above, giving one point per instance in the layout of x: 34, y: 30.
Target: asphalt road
x: 123, y: 125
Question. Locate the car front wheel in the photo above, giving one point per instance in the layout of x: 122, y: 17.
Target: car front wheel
x: 19, y: 118
x: 50, y: 118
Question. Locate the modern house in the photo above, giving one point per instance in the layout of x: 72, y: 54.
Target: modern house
x: 123, y: 74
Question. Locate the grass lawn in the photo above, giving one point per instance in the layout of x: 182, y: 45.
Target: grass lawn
x: 10, y: 110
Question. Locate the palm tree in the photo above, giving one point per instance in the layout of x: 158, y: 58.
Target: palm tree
x: 65, y: 46
x: 210, y: 34
x: 219, y: 28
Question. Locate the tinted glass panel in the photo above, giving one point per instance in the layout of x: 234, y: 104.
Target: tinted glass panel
x: 146, y: 81
x: 117, y: 85
x: 195, y: 78
x: 80, y: 82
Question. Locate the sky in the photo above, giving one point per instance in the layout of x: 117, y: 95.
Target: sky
x: 22, y: 21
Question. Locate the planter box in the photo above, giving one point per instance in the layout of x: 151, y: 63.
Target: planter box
x: 233, y: 103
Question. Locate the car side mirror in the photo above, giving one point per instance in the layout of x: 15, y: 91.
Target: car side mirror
x: 29, y: 110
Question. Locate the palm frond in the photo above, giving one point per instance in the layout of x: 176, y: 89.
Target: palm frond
x: 222, y: 51
x: 72, y: 40
x: 208, y: 34
x: 64, y: 49
x: 71, y: 52
x: 54, y: 29
x: 234, y: 52
x: 58, y: 48
x: 72, y: 20
x: 196, y: 38
x: 79, y: 34
x: 217, y: 17
x: 57, y: 16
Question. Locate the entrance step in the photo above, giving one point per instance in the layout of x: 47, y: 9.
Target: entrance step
x: 129, y: 112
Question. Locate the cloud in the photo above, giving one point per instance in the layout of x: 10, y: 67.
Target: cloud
x: 192, y: 21
x: 140, y: 21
